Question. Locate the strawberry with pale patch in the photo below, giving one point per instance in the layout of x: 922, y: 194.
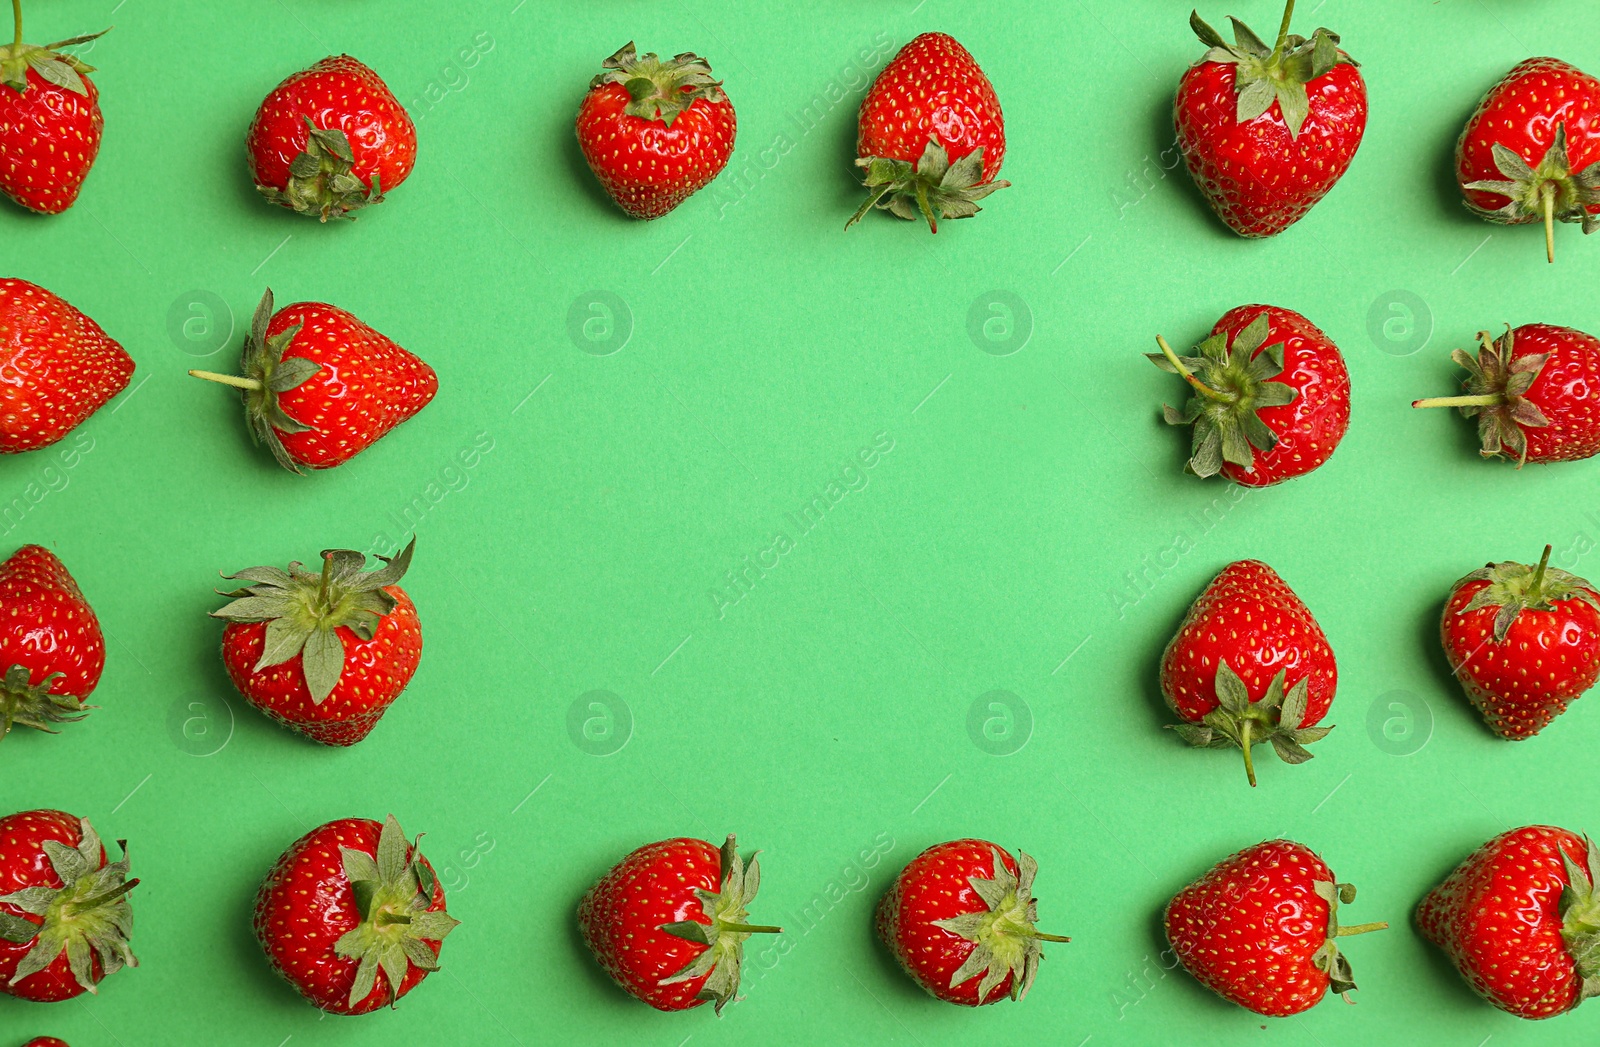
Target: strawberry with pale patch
x: 57, y: 367
x: 50, y: 121
x: 51, y: 649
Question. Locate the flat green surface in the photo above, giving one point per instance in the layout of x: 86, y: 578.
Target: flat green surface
x: 1027, y: 530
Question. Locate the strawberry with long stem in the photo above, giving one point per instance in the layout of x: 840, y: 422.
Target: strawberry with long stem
x: 50, y: 121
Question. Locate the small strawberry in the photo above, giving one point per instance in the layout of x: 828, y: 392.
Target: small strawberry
x: 931, y: 136
x: 45, y: 1041
x: 1535, y: 392
x: 50, y: 121
x: 1261, y: 929
x: 1272, y: 396
x: 655, y: 132
x: 353, y: 916
x: 668, y: 922
x: 64, y: 917
x: 1524, y: 642
x: 1267, y: 131
x: 331, y: 140
x: 323, y: 654
x: 320, y: 386
x: 1531, y: 151
x: 1248, y: 665
x: 57, y: 367
x: 959, y: 919
x: 51, y: 648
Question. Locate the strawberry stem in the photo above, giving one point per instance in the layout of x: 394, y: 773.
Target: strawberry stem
x: 1547, y: 203
x: 1361, y: 928
x: 1244, y: 743
x: 1538, y: 574
x: 327, y: 575
x: 1476, y: 400
x: 1283, y: 30
x: 1043, y: 937
x: 748, y: 928
x: 1183, y: 372
x: 228, y: 379
x: 100, y: 899
x: 16, y: 15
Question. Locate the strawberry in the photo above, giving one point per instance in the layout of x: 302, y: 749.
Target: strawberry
x: 1524, y: 642
x: 331, y: 140
x: 668, y: 922
x: 51, y: 648
x: 352, y: 915
x: 1267, y: 131
x: 1249, y: 665
x: 57, y: 367
x: 1535, y: 392
x: 1531, y: 151
x: 50, y: 121
x: 64, y: 917
x: 364, y: 386
x: 931, y: 136
x: 655, y: 133
x: 45, y: 1041
x: 1261, y: 929
x: 959, y: 919
x: 323, y: 654
x: 1272, y: 396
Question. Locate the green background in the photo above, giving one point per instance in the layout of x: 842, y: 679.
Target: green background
x: 1029, y: 532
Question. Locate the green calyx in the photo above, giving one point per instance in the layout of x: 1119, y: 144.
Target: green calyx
x: 1237, y: 721
x: 1272, y: 74
x: 1515, y: 587
x: 659, y: 90
x: 392, y: 894
x: 1497, y: 386
x: 52, y: 66
x: 1580, y: 917
x: 88, y: 917
x: 724, y: 936
x: 933, y: 188
x: 1005, y: 939
x: 303, y: 610
x: 320, y: 182
x: 1551, y: 192
x: 1328, y: 959
x: 1231, y: 386
x: 25, y: 704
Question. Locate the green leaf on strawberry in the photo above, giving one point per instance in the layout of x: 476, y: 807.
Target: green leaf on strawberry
x: 729, y: 910
x: 1237, y: 721
x: 1266, y: 74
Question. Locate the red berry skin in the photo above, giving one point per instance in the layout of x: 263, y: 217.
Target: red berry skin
x: 48, y: 626
x: 1567, y: 390
x: 57, y: 367
x: 49, y: 139
x: 23, y: 864
x: 932, y: 88
x: 1498, y: 918
x: 45, y: 1041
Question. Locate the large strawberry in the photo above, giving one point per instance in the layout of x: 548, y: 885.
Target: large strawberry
x: 1261, y: 929
x: 669, y: 922
x: 57, y: 367
x: 325, y: 653
x: 1520, y: 918
x: 1271, y: 396
x: 1535, y: 392
x: 959, y: 919
x: 320, y: 386
x: 51, y: 648
x: 352, y: 915
x: 64, y: 914
x: 1266, y: 132
x: 655, y: 132
x: 931, y: 136
x: 50, y: 121
x: 1531, y: 151
x: 1248, y: 665
x: 331, y: 140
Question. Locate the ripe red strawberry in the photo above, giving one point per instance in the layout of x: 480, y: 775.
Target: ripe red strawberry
x: 1272, y: 396
x: 1261, y: 929
x: 353, y: 916
x: 64, y: 914
x: 931, y: 136
x: 57, y: 367
x: 1267, y: 131
x: 1524, y: 642
x: 45, y: 1041
x: 331, y: 140
x: 655, y: 132
x: 668, y: 922
x: 50, y: 122
x: 1531, y: 151
x: 51, y: 648
x: 320, y: 386
x: 960, y: 917
x: 1535, y: 392
x: 323, y: 654
x: 1249, y: 665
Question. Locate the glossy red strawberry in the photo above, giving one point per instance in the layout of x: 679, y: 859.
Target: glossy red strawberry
x: 50, y: 122
x: 325, y: 653
x: 64, y: 913
x: 1271, y: 396
x: 57, y: 367
x: 1265, y: 131
x: 960, y: 920
x: 1524, y: 641
x: 331, y: 140
x: 45, y: 1041
x: 353, y: 916
x: 1249, y: 665
x: 931, y: 136
x: 320, y: 386
x: 1535, y: 392
x: 1531, y: 151
x: 1261, y: 929
x: 51, y: 648
x: 655, y: 132
x: 668, y: 922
